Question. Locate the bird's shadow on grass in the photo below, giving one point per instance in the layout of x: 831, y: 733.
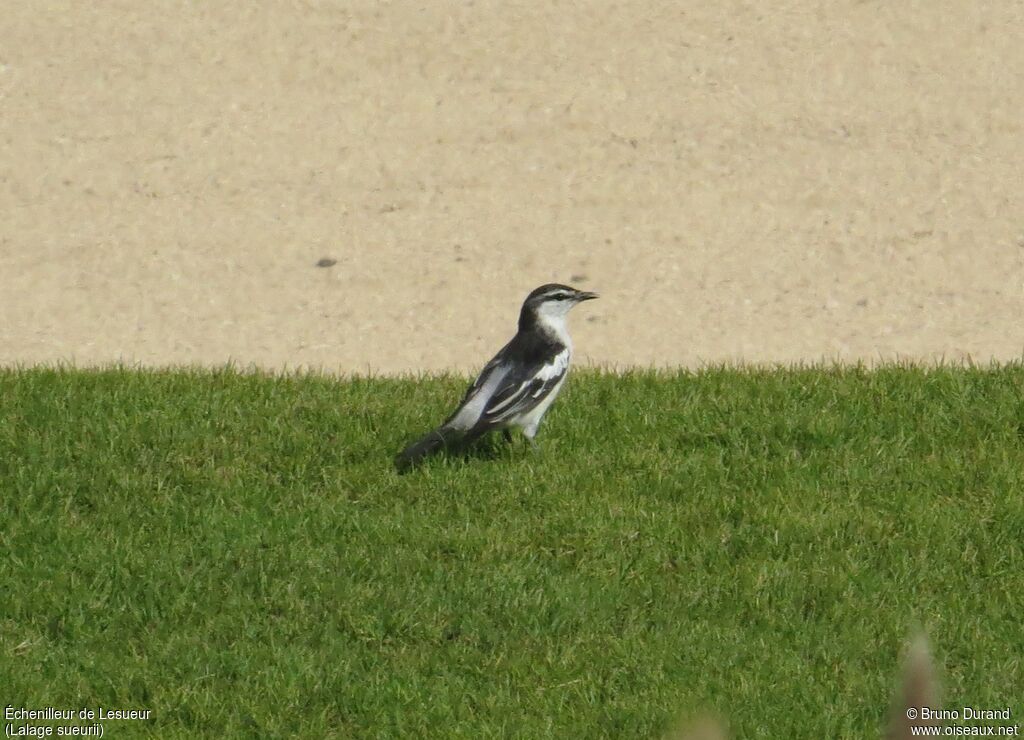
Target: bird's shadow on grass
x: 488, y: 448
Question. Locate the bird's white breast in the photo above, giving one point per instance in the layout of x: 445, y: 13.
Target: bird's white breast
x: 559, y: 365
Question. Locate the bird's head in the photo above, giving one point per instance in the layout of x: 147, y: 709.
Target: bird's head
x: 549, y: 304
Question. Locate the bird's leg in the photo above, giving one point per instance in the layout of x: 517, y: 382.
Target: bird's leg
x: 507, y: 434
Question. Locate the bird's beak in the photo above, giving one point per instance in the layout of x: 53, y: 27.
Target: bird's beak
x: 584, y: 295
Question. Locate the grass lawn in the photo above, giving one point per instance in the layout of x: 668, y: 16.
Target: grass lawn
x: 235, y: 553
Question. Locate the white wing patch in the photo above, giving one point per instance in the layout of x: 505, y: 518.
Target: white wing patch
x: 557, y: 367
x: 532, y: 396
x: 511, y: 399
x: 475, y: 403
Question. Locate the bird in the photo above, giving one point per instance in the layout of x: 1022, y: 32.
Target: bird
x: 517, y: 387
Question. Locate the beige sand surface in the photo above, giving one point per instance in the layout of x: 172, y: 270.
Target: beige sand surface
x: 740, y: 180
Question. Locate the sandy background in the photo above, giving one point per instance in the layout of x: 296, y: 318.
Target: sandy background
x: 740, y: 182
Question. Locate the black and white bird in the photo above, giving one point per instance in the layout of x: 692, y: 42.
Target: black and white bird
x: 517, y: 387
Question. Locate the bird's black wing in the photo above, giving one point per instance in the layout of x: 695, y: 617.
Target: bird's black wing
x: 490, y: 377
x: 521, y: 395
x: 540, y: 366
x: 518, y: 378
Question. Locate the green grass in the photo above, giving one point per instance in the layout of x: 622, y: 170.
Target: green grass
x: 235, y: 553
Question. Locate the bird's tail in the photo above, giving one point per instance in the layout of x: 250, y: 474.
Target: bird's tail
x: 427, y: 445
